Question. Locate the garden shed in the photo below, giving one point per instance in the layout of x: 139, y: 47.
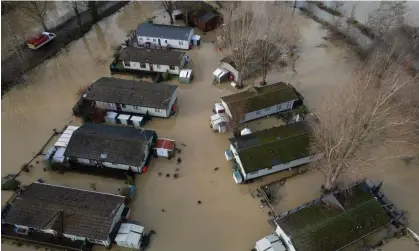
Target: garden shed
x: 137, y: 121
x: 165, y: 147
x: 123, y: 119
x: 185, y: 76
x: 110, y: 117
x: 129, y: 236
x: 220, y: 122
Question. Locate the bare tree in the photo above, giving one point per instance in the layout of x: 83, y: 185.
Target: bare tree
x: 238, y: 35
x: 238, y: 111
x: 371, y: 111
x: 390, y: 14
x: 336, y: 5
x: 353, y: 10
x: 92, y: 5
x: 168, y: 7
x: 37, y: 11
x: 76, y: 7
x: 13, y: 41
x: 276, y: 39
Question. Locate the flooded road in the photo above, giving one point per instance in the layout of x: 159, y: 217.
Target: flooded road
x: 228, y: 218
x: 17, y: 25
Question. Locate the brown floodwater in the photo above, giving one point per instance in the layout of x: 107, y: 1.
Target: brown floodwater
x: 228, y: 218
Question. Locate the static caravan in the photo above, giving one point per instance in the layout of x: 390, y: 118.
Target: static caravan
x: 338, y: 220
x: 71, y: 217
x: 171, y: 36
x: 257, y: 102
x: 109, y: 146
x: 151, y: 60
x: 132, y: 97
x: 271, y: 150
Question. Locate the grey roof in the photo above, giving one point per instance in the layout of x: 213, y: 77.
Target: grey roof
x: 160, y: 57
x: 163, y: 31
x: 65, y: 210
x: 130, y: 92
x: 108, y: 143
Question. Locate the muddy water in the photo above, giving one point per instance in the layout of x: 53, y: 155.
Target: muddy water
x: 228, y: 218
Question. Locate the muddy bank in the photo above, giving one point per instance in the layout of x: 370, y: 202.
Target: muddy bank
x: 360, y: 42
x: 13, y: 68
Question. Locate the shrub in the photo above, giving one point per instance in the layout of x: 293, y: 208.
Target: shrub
x: 52, y: 166
x: 166, y: 75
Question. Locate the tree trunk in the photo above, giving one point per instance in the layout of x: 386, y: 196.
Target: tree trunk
x: 44, y: 26
x: 185, y: 16
x: 171, y: 16
x: 330, y: 180
x: 93, y: 9
x: 76, y: 10
x: 240, y: 79
x: 264, y: 73
x: 79, y: 22
x: 294, y: 7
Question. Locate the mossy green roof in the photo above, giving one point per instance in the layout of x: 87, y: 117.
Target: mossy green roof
x: 273, y: 146
x: 321, y: 227
x: 256, y: 98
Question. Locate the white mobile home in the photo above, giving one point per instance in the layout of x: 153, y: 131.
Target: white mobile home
x: 152, y: 60
x: 272, y: 150
x: 177, y: 37
x: 257, y: 102
x: 117, y: 147
x: 77, y: 216
x: 129, y: 96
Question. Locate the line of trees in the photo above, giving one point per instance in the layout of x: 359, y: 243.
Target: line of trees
x: 377, y: 108
x: 37, y: 10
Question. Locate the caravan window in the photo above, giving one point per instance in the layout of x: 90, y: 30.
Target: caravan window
x: 127, y: 63
x: 172, y: 67
x: 180, y: 43
x: 142, y: 65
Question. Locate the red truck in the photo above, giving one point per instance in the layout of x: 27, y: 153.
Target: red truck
x: 37, y: 42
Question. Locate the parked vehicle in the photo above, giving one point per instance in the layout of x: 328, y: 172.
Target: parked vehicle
x: 41, y: 40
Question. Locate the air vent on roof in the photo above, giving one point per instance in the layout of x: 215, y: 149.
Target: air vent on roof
x: 103, y: 155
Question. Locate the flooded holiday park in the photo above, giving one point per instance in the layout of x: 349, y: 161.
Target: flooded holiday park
x: 197, y: 126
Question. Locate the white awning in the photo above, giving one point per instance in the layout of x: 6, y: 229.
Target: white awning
x: 66, y: 136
